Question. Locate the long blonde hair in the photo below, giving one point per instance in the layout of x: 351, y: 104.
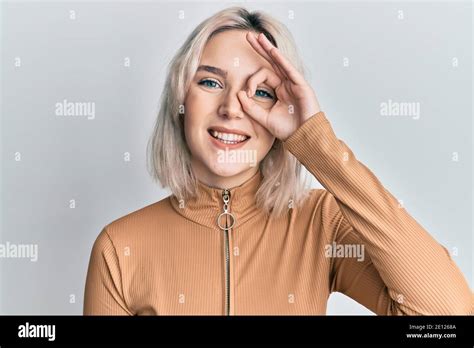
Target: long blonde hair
x: 168, y: 156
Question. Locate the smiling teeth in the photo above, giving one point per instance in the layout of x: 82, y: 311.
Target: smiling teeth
x: 228, y: 138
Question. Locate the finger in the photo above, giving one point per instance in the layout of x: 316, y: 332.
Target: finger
x: 263, y: 75
x: 255, y: 111
x: 260, y: 50
x: 282, y: 63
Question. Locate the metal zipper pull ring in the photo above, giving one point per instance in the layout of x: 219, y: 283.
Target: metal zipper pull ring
x: 226, y: 198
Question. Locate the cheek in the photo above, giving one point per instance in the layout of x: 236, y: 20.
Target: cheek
x: 261, y: 144
x: 264, y: 138
x: 191, y: 132
x: 197, y: 105
x: 193, y: 121
x: 193, y: 109
x: 198, y: 100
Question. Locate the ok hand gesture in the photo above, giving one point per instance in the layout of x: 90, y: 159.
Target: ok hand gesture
x: 296, y: 100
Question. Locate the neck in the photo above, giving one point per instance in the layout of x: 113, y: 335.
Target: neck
x: 222, y: 182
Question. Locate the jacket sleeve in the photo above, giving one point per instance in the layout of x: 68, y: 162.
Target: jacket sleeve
x: 103, y: 293
x: 405, y: 271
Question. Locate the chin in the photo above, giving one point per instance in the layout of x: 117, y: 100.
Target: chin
x: 228, y: 170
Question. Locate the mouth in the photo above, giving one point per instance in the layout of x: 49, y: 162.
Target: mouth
x: 229, y: 137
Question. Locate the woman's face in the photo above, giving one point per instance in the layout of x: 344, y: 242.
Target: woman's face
x: 226, y: 144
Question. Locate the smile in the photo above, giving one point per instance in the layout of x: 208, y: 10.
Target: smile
x: 228, y: 137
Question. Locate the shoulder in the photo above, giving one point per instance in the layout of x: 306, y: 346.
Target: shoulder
x: 327, y: 203
x: 322, y: 201
x: 136, y: 223
x: 324, y: 209
x: 142, y: 215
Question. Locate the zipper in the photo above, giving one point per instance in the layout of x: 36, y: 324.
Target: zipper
x: 226, y: 227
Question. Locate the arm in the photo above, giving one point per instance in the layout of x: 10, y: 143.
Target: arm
x: 406, y: 271
x: 103, y: 291
x: 412, y: 266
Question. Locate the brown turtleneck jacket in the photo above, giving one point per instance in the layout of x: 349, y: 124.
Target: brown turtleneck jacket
x: 352, y: 237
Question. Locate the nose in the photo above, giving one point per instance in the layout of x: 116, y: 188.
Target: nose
x: 230, y: 106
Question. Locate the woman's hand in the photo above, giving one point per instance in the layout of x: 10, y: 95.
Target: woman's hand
x: 296, y: 100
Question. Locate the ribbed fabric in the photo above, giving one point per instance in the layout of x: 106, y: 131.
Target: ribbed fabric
x: 168, y: 257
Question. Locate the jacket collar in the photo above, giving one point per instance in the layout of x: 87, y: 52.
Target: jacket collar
x: 206, y: 206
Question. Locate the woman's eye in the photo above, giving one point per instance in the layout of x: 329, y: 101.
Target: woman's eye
x: 265, y: 94
x: 208, y: 83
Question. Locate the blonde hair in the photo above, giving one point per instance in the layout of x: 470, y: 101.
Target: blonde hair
x: 169, y: 158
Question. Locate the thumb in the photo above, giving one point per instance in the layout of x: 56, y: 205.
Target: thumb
x: 255, y: 111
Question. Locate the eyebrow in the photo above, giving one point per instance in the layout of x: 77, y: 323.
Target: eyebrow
x: 213, y: 69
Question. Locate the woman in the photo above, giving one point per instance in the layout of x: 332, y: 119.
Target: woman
x: 241, y: 234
